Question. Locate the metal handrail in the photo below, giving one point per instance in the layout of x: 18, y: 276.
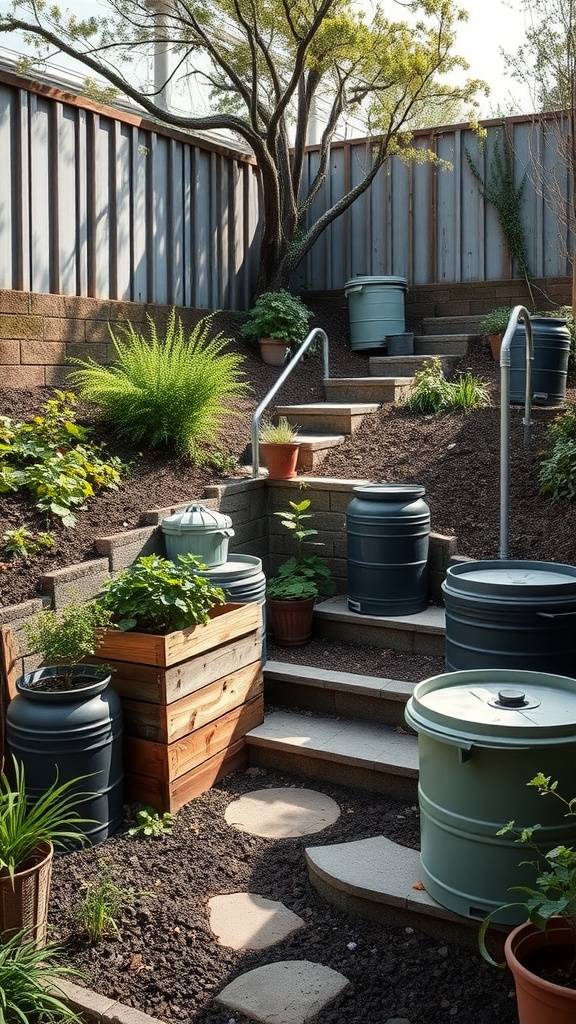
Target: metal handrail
x: 256, y: 415
x: 518, y: 313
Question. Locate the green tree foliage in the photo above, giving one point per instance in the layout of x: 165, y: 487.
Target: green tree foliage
x: 266, y: 64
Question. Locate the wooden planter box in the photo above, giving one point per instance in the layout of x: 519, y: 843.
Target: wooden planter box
x: 188, y: 698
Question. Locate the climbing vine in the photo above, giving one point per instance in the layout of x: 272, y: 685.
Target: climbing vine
x: 507, y: 198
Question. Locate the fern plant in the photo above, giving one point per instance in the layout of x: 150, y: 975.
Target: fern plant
x: 166, y: 392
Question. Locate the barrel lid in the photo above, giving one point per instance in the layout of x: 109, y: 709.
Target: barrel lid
x: 195, y: 518
x: 355, y: 281
x: 238, y: 567
x: 514, y: 575
x: 389, y: 492
x: 495, y: 707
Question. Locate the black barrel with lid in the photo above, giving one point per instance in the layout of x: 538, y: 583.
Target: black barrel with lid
x: 551, y: 339
x: 504, y: 613
x: 387, y: 530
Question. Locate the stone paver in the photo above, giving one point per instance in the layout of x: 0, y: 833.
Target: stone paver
x: 282, y: 813
x: 243, y: 920
x: 287, y: 992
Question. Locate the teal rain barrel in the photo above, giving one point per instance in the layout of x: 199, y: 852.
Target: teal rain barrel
x: 515, y: 614
x: 387, y: 530
x: 198, y: 530
x: 375, y: 310
x: 482, y: 736
x: 73, y: 732
x: 243, y: 582
x: 551, y: 339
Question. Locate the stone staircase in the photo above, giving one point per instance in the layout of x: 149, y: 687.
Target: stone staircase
x: 324, y: 425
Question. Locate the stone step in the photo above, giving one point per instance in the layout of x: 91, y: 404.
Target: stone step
x: 380, y: 880
x: 370, y: 698
x: 441, y: 345
x: 453, y: 325
x: 405, y: 366
x: 327, y: 417
x: 422, y: 633
x: 314, y: 448
x: 363, y: 754
x: 387, y: 389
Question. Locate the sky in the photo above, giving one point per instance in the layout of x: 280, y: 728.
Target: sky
x: 491, y: 24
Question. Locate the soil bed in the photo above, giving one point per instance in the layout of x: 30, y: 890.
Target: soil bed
x: 167, y: 962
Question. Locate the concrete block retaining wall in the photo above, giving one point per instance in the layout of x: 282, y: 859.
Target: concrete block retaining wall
x: 251, y: 505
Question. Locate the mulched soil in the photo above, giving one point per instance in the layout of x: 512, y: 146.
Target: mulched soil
x: 166, y: 961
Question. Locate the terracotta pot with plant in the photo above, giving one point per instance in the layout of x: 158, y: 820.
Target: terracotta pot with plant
x: 279, y: 321
x: 493, y: 326
x: 542, y: 952
x: 292, y: 592
x: 29, y: 831
x: 279, y: 446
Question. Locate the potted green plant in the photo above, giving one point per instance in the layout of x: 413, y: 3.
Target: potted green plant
x: 29, y: 831
x: 64, y: 638
x: 187, y: 667
x: 493, y: 326
x: 299, y: 581
x: 279, y: 447
x: 541, y: 953
x: 280, y: 322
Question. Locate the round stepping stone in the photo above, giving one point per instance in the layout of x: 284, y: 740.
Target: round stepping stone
x: 287, y: 992
x: 282, y: 813
x: 243, y: 920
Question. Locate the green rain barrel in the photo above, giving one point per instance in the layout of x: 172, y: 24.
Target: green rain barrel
x: 244, y: 582
x: 482, y: 736
x: 375, y: 310
x: 73, y: 732
x: 551, y: 339
x: 199, y: 531
x: 387, y: 531
x: 514, y: 614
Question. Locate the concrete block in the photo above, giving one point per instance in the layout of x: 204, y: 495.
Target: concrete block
x: 81, y: 581
x: 43, y: 304
x: 20, y: 325
x: 82, y: 308
x: 86, y: 350
x: 441, y: 550
x: 97, y: 331
x: 90, y: 1005
x: 57, y: 375
x: 121, y: 549
x: 62, y: 329
x: 42, y: 352
x: 14, y: 302
x: 23, y: 376
x: 9, y: 352
x: 14, y: 615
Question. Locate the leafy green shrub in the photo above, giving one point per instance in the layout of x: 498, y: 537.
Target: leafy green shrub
x: 302, y: 576
x: 52, y: 458
x: 154, y: 595
x: 65, y: 637
x: 557, y: 475
x: 434, y: 394
x: 168, y: 392
x: 496, y: 321
x: 278, y: 315
x: 22, y: 542
x: 29, y: 980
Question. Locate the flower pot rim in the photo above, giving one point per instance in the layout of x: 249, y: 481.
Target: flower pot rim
x: 529, y: 931
x: 43, y: 853
x: 100, y: 674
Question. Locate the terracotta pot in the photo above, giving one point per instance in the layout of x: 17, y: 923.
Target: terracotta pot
x: 24, y: 904
x: 280, y: 459
x: 495, y: 342
x: 273, y: 351
x: 291, y: 621
x: 540, y: 1001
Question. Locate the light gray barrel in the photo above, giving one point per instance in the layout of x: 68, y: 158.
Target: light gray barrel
x: 482, y: 736
x: 75, y: 732
x: 244, y: 582
x: 375, y: 310
x: 551, y: 339
x: 388, y: 529
x: 503, y: 613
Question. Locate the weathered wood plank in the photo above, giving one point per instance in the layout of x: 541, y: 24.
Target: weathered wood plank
x: 167, y: 723
x: 169, y: 761
x: 163, y: 686
x: 227, y: 623
x: 171, y: 796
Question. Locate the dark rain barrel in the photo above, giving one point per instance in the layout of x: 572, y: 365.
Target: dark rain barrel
x: 482, y: 736
x: 388, y: 529
x: 551, y: 339
x: 511, y: 614
x: 75, y: 732
x: 375, y: 310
